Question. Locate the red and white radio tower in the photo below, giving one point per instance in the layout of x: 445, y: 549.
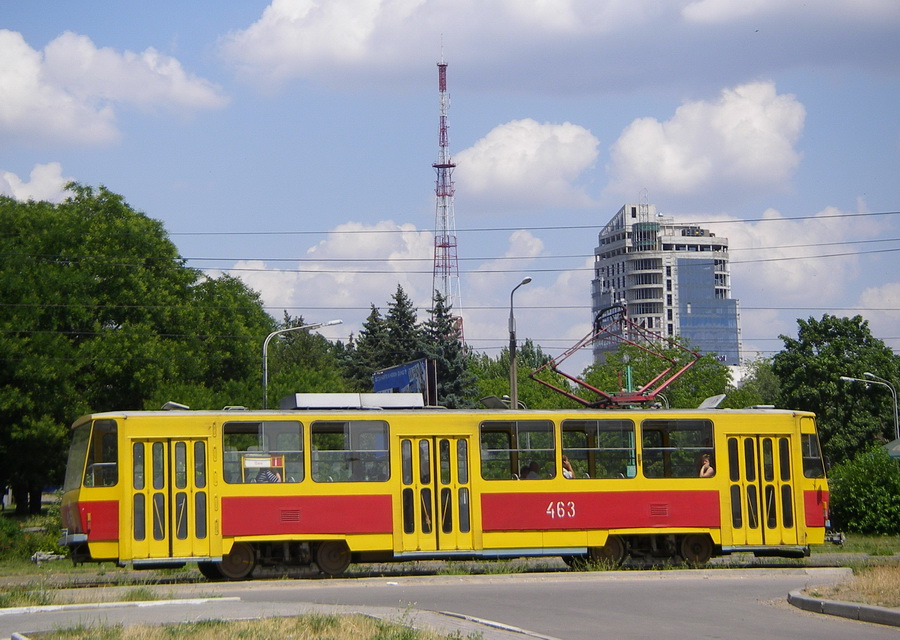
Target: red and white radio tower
x: 446, y: 265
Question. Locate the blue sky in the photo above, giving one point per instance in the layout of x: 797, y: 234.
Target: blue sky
x: 261, y: 133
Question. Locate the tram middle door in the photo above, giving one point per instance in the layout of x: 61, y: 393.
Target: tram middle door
x: 761, y: 490
x: 436, y: 496
x: 169, y: 514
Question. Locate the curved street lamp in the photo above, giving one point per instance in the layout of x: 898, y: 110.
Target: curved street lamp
x: 513, y: 380
x: 873, y: 379
x: 265, y: 349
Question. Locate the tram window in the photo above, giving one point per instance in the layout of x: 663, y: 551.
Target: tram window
x: 464, y: 525
x: 784, y: 457
x: 737, y: 520
x: 508, y: 448
x: 77, y: 454
x: 787, y: 510
x: 137, y: 466
x: 674, y: 448
x: 462, y: 461
x: 734, y: 466
x: 180, y: 465
x: 444, y: 458
x: 262, y: 451
x: 200, y: 465
x: 409, y: 510
x: 102, y: 469
x: 200, y: 514
x: 350, y: 451
x: 813, y: 465
x: 600, y: 448
x: 406, y: 461
x: 158, y: 466
x: 768, y: 460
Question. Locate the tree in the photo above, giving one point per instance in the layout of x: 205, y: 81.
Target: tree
x: 303, y: 362
x: 443, y: 345
x: 99, y: 312
x: 385, y: 341
x: 759, y: 386
x: 492, y: 378
x: 850, y: 416
x: 368, y: 352
x: 865, y: 493
x: 403, y: 331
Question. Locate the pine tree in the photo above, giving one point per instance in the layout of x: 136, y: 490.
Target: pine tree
x: 369, y: 351
x: 404, y: 335
x: 443, y: 345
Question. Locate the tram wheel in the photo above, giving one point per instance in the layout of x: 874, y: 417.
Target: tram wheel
x: 613, y: 552
x: 239, y: 563
x: 210, y: 570
x: 333, y: 557
x: 697, y: 548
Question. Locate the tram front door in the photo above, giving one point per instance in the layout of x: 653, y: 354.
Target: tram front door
x: 169, y: 507
x: 762, y: 495
x: 436, y: 495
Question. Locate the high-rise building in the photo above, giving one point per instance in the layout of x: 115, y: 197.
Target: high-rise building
x: 672, y: 278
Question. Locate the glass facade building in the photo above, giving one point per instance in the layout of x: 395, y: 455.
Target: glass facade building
x: 672, y: 278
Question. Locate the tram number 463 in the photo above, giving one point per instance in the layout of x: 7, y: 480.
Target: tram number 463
x: 561, y: 509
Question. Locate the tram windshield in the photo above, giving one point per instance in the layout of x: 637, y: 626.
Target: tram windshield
x: 813, y: 463
x: 94, y: 450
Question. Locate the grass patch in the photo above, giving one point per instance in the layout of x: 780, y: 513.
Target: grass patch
x: 307, y: 627
x: 877, y: 585
x: 32, y: 594
x: 871, y: 545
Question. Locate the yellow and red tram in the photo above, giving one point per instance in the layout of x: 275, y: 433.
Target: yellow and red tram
x: 334, y: 478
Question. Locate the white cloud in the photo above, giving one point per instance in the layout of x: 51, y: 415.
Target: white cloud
x: 723, y: 11
x: 574, y: 45
x: 69, y: 92
x: 793, y: 263
x: 742, y: 141
x: 525, y: 164
x: 355, y: 266
x: 46, y: 183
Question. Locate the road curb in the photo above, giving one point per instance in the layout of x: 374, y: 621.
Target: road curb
x: 110, y: 605
x: 851, y: 610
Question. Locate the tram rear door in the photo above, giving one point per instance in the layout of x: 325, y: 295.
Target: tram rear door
x: 169, y: 512
x: 762, y: 493
x: 435, y: 494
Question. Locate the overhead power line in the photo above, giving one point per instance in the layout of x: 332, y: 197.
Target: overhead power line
x: 521, y: 228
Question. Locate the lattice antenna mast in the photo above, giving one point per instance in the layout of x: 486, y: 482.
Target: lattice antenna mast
x: 446, y: 263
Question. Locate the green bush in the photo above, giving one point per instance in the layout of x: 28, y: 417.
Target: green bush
x: 10, y: 533
x: 21, y: 537
x: 865, y: 494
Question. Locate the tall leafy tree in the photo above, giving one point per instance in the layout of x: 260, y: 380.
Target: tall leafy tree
x: 851, y: 416
x: 444, y: 346
x: 99, y: 312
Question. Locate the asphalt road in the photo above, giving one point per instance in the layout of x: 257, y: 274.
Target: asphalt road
x: 739, y: 604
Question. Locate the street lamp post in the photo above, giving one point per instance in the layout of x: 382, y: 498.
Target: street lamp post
x: 265, y: 351
x: 873, y: 379
x: 513, y: 380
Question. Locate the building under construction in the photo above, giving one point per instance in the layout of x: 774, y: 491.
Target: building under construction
x: 673, y: 279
